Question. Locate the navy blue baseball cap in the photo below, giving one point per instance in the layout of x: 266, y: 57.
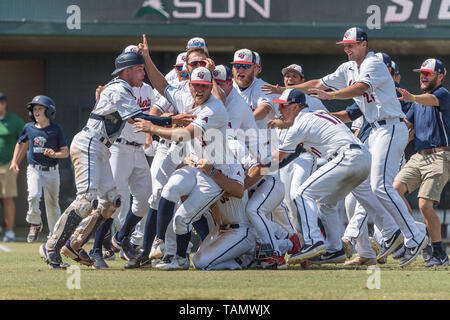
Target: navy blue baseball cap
x: 127, y: 60
x: 291, y: 96
x: 385, y: 58
x: 353, y: 35
x: 394, y: 66
x: 432, y: 65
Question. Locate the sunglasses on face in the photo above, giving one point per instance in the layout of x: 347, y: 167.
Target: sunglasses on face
x: 427, y: 73
x: 237, y: 66
x: 197, y: 64
x: 179, y: 68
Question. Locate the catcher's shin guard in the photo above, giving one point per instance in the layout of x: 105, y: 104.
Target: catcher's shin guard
x: 64, y: 228
x: 87, y: 227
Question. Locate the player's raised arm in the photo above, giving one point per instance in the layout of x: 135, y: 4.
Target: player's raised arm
x: 156, y: 77
x: 426, y: 99
x: 304, y: 87
x: 354, y: 90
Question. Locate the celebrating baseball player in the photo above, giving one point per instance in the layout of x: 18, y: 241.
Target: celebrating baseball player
x: 46, y: 143
x: 349, y: 164
x: 198, y: 189
x: 130, y: 170
x: 97, y: 197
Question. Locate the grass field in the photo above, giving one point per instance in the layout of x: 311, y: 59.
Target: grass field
x: 23, y: 275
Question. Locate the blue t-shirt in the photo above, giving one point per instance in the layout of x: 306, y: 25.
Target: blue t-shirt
x: 431, y: 124
x: 51, y: 137
x: 354, y: 113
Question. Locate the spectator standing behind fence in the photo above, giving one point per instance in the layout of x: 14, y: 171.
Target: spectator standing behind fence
x: 10, y: 127
x: 429, y: 168
x: 45, y: 142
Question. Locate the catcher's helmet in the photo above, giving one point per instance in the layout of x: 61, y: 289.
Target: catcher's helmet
x: 45, y: 101
x: 127, y: 60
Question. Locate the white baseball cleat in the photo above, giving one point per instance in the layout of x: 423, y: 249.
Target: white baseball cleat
x: 178, y: 263
x: 157, y: 251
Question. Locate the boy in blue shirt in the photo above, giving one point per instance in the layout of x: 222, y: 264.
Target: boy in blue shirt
x: 45, y: 143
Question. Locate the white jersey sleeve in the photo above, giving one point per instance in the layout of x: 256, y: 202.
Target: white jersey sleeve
x: 336, y: 80
x: 372, y: 73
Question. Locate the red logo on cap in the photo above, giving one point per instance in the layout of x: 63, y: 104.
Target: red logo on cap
x: 215, y: 73
x: 241, y: 55
x: 183, y: 58
x: 201, y: 75
x: 346, y: 35
x: 205, y: 119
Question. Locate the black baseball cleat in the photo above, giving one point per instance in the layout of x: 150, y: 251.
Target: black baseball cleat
x: 141, y: 260
x: 128, y: 249
x: 330, y: 257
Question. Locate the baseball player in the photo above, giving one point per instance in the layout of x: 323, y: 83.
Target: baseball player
x: 196, y: 42
x: 296, y: 172
x: 130, y: 170
x: 349, y: 164
x: 97, y: 198
x: 198, y: 190
x: 366, y: 79
x: 46, y: 143
x: 164, y: 164
x: 268, y: 193
x: 234, y: 235
x: 241, y: 119
x: 357, y: 232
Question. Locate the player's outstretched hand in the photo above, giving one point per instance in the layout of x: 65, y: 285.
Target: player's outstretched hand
x: 406, y: 96
x: 14, y: 168
x: 183, y: 120
x: 143, y: 47
x: 320, y: 94
x: 272, y: 89
x: 142, y: 125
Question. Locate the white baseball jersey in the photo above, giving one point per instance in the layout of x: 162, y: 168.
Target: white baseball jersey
x: 254, y: 96
x: 116, y: 103
x: 171, y: 76
x: 212, y: 119
x: 232, y: 209
x: 320, y: 133
x: 380, y: 101
x: 239, y: 113
x: 145, y: 98
x: 185, y: 107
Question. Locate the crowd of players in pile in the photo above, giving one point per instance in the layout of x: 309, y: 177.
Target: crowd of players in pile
x: 290, y: 202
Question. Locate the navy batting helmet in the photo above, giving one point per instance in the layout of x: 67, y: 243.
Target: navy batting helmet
x: 127, y: 60
x: 45, y: 101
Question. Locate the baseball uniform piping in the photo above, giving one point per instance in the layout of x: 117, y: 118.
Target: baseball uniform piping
x: 384, y: 184
x: 246, y: 236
